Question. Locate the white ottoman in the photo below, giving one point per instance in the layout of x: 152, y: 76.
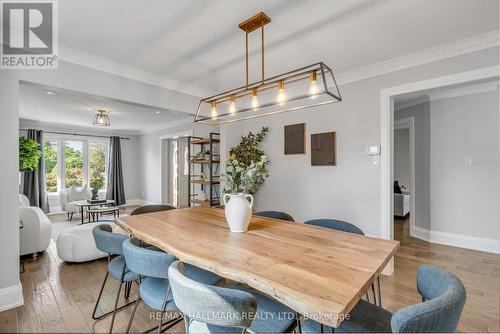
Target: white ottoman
x: 77, y: 243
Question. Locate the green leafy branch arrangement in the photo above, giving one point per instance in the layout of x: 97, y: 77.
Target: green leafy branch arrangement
x: 29, y: 154
x: 247, y: 166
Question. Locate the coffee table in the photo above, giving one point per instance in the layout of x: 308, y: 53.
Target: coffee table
x: 95, y: 212
x: 85, y: 204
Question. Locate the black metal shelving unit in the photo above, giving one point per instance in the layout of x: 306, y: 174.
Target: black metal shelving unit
x: 209, y: 166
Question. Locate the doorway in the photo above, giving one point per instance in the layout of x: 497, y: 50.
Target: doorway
x: 387, y: 97
x: 174, y: 169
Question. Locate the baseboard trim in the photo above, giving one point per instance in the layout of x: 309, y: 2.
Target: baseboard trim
x: 458, y: 240
x: 137, y: 201
x: 11, y: 296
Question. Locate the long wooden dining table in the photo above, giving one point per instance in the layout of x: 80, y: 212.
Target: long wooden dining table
x: 318, y: 272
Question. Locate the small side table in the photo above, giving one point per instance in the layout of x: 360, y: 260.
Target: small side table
x: 95, y: 212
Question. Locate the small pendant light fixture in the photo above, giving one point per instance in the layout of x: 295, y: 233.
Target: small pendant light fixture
x: 309, y: 86
x: 101, y: 118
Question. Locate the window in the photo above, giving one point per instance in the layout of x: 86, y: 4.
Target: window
x: 97, y: 165
x: 75, y: 162
x: 50, y: 157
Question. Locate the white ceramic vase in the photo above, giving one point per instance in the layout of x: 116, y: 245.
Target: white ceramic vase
x: 238, y: 210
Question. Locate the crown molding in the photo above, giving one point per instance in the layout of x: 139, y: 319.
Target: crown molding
x: 447, y: 94
x: 70, y: 128
x: 108, y: 66
x: 476, y: 43
x: 463, y: 91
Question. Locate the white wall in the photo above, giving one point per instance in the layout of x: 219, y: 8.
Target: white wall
x: 422, y: 145
x: 10, y: 287
x: 402, y: 157
x: 351, y: 190
x: 150, y: 158
x: 465, y: 198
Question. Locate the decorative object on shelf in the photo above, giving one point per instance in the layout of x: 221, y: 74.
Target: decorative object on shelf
x: 323, y: 149
x: 302, y: 88
x: 29, y: 154
x: 202, y: 176
x: 238, y: 211
x: 203, y: 155
x: 295, y: 138
x: 202, y: 197
x: 101, y: 118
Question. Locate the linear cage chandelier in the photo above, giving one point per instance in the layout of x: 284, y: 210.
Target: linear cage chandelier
x: 309, y: 86
x: 101, y: 118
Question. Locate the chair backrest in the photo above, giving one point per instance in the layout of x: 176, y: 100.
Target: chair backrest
x: 444, y: 298
x: 151, y: 208
x: 146, y: 261
x: 336, y: 224
x: 107, y: 241
x: 211, y: 304
x: 275, y: 215
x: 24, y: 202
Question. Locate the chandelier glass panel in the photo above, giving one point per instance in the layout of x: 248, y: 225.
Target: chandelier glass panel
x: 309, y: 86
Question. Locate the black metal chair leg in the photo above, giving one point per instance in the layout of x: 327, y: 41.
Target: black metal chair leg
x: 116, y: 305
x: 99, y: 297
x: 374, y: 294
x: 126, y: 292
x: 379, y: 292
x: 133, y: 314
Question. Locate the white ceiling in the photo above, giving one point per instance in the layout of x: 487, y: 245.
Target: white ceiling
x: 199, y: 43
x: 78, y: 110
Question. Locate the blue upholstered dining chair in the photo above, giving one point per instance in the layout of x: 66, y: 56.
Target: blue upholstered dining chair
x: 211, y: 309
x: 275, y: 215
x: 154, y: 288
x: 343, y: 226
x: 443, y: 299
x: 111, y: 243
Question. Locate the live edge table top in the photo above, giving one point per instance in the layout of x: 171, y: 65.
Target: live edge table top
x: 319, y: 272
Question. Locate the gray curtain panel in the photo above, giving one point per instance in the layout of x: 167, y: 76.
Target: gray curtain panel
x: 115, y: 189
x: 34, y: 182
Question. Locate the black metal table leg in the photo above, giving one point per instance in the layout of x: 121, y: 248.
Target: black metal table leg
x: 81, y: 213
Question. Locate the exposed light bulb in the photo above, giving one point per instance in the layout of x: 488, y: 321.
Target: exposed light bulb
x: 281, y: 98
x: 313, y: 86
x: 255, y: 99
x: 232, y: 105
x: 213, y: 111
x: 100, y: 119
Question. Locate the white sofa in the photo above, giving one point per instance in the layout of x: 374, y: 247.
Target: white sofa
x: 77, y: 244
x: 36, y: 231
x: 401, y: 205
x: 69, y: 196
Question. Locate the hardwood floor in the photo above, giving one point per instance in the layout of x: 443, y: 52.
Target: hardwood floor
x: 59, y: 297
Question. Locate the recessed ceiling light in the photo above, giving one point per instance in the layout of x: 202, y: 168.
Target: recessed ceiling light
x: 158, y: 112
x: 131, y: 122
x: 50, y: 93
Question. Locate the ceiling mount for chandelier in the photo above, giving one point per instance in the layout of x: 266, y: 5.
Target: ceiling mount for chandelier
x: 309, y: 86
